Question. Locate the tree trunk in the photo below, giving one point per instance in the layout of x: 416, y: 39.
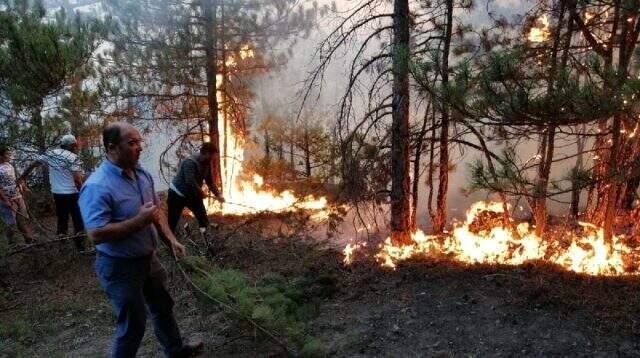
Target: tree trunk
x: 210, y: 10
x: 416, y: 170
x: 547, y: 152
x: 292, y: 163
x: 432, y: 158
x: 400, y: 181
x: 223, y: 96
x: 612, y: 180
x: 267, y: 145
x: 575, y: 189
x: 307, y: 153
x: 440, y: 218
x: 281, y: 148
x: 540, y: 213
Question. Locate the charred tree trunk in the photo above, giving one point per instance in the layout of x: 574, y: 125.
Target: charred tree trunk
x: 628, y: 38
x: 416, y: 170
x: 307, y: 153
x: 281, y: 148
x: 223, y: 96
x: 210, y: 14
x: 432, y: 158
x: 575, y: 185
x: 612, y: 179
x: 547, y: 150
x: 540, y: 213
x: 440, y: 218
x: 267, y: 145
x: 292, y: 146
x: 400, y: 180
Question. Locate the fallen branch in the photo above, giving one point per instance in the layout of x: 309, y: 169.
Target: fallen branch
x: 255, y: 324
x: 44, y: 243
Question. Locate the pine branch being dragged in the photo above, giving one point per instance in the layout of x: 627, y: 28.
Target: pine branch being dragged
x: 274, y: 306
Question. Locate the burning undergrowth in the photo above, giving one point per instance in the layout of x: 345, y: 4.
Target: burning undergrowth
x: 486, y: 238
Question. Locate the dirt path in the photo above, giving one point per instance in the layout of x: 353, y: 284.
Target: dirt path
x: 53, y: 306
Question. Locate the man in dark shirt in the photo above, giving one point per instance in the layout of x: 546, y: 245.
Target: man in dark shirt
x: 186, y: 188
x: 122, y: 216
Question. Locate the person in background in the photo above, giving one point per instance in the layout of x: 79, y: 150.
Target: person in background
x: 65, y: 178
x: 186, y: 188
x: 122, y: 216
x: 13, y: 210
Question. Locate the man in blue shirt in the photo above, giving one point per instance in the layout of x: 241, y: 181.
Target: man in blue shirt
x: 121, y: 213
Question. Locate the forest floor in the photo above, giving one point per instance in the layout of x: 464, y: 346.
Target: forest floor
x: 51, y: 305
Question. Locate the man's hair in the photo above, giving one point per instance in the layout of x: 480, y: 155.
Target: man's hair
x: 207, y: 148
x: 3, y: 149
x: 111, y: 134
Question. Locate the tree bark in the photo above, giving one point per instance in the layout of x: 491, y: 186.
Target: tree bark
x: 292, y: 146
x: 307, y: 153
x: 540, y: 214
x: 612, y: 175
x: 440, y: 218
x: 210, y: 14
x: 400, y: 180
x: 416, y: 170
x: 575, y: 189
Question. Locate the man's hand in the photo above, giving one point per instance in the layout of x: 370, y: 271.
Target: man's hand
x: 178, y: 249
x: 13, y: 205
x: 220, y: 198
x: 149, y: 213
x: 22, y: 186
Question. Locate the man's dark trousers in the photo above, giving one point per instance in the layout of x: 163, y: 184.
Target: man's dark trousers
x: 67, y: 205
x: 176, y: 203
x: 131, y: 283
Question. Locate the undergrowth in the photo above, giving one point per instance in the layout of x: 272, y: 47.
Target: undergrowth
x: 279, y: 305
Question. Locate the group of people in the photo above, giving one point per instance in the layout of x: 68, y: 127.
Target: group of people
x: 119, y: 208
x: 65, y: 178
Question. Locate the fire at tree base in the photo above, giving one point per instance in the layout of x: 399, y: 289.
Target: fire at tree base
x: 483, y: 238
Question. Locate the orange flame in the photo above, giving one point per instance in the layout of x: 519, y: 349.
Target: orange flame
x: 250, y: 197
x: 496, y: 244
x: 541, y: 33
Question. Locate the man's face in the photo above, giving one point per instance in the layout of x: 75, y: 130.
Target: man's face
x: 130, y: 146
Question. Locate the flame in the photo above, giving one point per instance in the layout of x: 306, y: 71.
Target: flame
x: 350, y: 250
x: 250, y: 197
x: 541, y: 33
x: 479, y: 239
x: 588, y: 17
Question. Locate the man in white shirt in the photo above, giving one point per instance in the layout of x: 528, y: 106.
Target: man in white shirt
x: 65, y: 177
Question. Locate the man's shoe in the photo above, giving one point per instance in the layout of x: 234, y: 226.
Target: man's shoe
x: 189, y: 350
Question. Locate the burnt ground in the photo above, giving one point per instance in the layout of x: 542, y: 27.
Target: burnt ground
x: 51, y: 305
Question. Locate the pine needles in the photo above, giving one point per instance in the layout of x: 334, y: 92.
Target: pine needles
x: 275, y: 306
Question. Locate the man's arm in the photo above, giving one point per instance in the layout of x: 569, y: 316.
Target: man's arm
x: 78, y: 179
x: 193, y: 186
x: 6, y: 201
x: 114, y: 232
x: 29, y: 169
x: 76, y: 171
x: 167, y: 235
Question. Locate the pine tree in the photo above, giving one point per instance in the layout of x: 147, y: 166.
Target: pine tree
x: 44, y: 60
